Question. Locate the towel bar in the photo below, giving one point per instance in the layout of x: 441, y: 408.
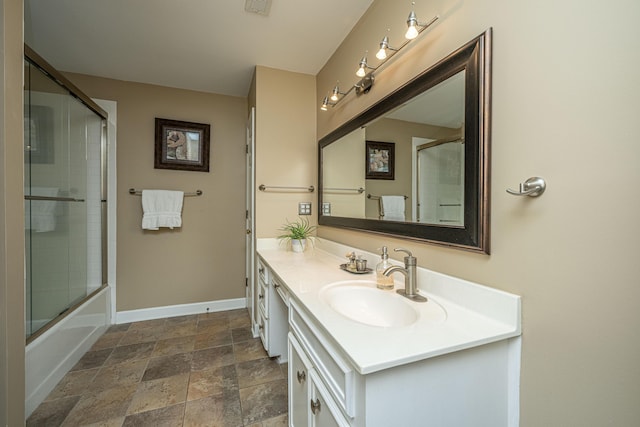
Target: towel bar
x: 263, y: 187
x: 371, y: 196
x: 139, y: 192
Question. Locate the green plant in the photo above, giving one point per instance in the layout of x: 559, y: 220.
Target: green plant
x: 297, y: 230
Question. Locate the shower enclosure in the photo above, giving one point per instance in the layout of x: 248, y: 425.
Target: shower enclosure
x: 65, y: 206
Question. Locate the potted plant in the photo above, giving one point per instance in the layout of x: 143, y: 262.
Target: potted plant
x: 297, y: 233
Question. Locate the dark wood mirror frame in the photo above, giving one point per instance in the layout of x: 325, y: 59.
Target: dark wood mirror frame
x: 475, y: 59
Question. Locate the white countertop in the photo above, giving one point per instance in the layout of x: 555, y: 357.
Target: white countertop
x: 475, y: 314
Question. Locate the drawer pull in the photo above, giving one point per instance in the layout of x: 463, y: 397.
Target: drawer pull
x: 261, y: 327
x: 261, y: 270
x: 276, y: 285
x: 315, y: 406
x: 302, y: 376
x: 260, y: 296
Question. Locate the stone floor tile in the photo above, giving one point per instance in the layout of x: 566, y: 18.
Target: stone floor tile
x: 212, y: 358
x: 213, y: 339
x: 167, y: 366
x: 221, y: 410
x: 156, y: 324
x: 136, y: 336
x: 168, y: 416
x: 74, y: 383
x: 263, y: 401
x: 249, y: 350
x: 241, y: 334
x: 108, y: 340
x: 131, y: 352
x: 159, y: 393
x: 212, y: 382
x: 167, y: 347
x: 92, y: 359
x: 260, y: 371
x: 101, y: 406
x: 122, y: 374
x: 212, y: 325
x: 174, y: 330
x: 52, y: 413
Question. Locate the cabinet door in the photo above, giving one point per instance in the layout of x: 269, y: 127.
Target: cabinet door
x: 324, y: 411
x: 299, y: 367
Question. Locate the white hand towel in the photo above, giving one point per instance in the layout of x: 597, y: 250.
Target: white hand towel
x: 161, y: 208
x: 392, y: 208
x: 41, y: 217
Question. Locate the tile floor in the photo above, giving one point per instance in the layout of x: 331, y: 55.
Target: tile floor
x: 200, y: 370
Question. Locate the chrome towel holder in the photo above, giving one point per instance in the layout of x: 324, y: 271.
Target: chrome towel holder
x: 532, y: 187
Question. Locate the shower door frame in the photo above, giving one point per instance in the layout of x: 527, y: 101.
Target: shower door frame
x: 36, y: 60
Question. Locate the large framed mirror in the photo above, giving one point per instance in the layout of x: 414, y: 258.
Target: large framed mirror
x: 434, y: 134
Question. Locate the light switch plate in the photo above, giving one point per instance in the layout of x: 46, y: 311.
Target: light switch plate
x: 304, y: 208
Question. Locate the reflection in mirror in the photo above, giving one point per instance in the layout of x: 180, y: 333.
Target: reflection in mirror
x: 438, y: 125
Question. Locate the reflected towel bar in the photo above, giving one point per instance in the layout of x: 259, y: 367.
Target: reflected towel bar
x: 263, y: 187
x: 370, y: 196
x: 358, y: 190
x: 139, y: 192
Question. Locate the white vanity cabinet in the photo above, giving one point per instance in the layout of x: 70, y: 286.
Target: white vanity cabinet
x: 272, y: 312
x: 310, y: 403
x: 464, y: 388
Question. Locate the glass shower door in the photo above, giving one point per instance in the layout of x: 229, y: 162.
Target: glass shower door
x: 62, y: 199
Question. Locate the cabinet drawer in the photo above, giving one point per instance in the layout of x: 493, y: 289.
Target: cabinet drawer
x: 263, y: 271
x: 280, y: 290
x: 324, y: 412
x: 335, y: 371
x: 263, y: 329
x: 263, y: 297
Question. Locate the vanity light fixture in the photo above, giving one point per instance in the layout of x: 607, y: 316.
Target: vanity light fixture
x: 384, y: 45
x: 362, y: 67
x: 386, y: 52
x: 335, y: 93
x: 326, y: 103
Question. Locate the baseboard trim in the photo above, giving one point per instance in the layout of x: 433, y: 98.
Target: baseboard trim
x: 179, y: 310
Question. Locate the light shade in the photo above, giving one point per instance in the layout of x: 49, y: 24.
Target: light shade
x: 384, y: 44
x: 362, y: 70
x: 412, y: 23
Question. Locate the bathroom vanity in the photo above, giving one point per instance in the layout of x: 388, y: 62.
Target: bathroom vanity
x: 359, y: 356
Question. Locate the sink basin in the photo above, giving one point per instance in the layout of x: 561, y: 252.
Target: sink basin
x: 362, y: 301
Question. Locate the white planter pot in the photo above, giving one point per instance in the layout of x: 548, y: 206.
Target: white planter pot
x: 298, y: 245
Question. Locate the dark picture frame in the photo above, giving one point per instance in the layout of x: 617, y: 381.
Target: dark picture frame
x: 181, y: 145
x: 38, y: 133
x: 380, y: 160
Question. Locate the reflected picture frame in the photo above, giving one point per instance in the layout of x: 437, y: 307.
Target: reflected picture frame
x: 380, y: 160
x: 181, y: 145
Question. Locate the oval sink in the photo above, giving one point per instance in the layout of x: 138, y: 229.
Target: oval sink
x: 361, y: 301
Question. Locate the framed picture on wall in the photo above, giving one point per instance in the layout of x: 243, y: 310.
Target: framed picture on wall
x: 182, y: 145
x: 380, y: 160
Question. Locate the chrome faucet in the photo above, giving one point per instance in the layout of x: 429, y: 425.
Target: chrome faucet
x: 409, y: 271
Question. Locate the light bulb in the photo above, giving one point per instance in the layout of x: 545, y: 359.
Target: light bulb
x: 363, y: 64
x: 334, y: 94
x: 412, y: 32
x: 325, y: 101
x: 412, y: 22
x: 384, y: 44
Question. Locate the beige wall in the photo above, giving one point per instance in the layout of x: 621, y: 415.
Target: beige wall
x: 286, y: 147
x: 203, y: 260
x: 565, y: 101
x: 12, y: 338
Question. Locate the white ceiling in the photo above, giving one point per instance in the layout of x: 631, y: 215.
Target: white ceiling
x: 204, y: 45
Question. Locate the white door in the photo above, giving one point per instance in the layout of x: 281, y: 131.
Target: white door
x: 250, y: 216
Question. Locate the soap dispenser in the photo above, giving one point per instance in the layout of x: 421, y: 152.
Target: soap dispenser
x: 382, y: 281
